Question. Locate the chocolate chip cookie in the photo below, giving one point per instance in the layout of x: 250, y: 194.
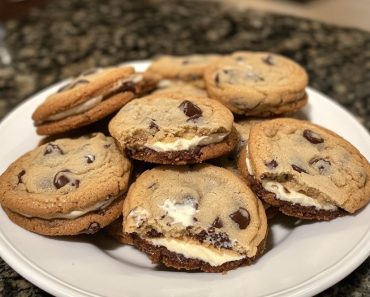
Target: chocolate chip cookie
x: 305, y: 170
x: 183, y: 68
x: 198, y: 217
x: 174, y: 129
x: 66, y: 187
x: 166, y: 86
x: 90, y: 97
x: 257, y: 83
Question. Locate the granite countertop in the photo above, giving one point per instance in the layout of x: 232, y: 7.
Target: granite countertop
x: 66, y: 37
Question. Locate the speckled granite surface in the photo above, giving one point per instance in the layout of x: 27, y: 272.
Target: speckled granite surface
x: 69, y: 36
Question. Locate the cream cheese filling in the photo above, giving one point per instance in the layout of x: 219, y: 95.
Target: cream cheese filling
x: 89, y: 104
x: 186, y: 144
x: 74, y: 214
x: 295, y: 197
x: 180, y: 213
x: 210, y: 255
x: 248, y: 161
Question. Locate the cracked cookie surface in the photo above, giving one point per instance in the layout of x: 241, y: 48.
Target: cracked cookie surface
x: 66, y: 180
x: 306, y: 170
x: 202, y: 215
x: 257, y: 83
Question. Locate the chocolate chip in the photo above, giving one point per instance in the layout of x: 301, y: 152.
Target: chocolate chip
x: 219, y: 240
x: 298, y: 169
x: 76, y: 183
x: 191, y: 110
x: 73, y: 84
x: 272, y: 164
x: 241, y: 217
x: 312, y: 137
x: 93, y: 228
x: 60, y: 180
x: 20, y: 176
x: 51, y: 148
x: 320, y: 164
x: 89, y: 158
x: 153, y: 126
x: 269, y: 60
x: 153, y: 233
x: 217, y: 223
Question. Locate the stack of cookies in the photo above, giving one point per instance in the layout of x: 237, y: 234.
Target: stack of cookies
x: 123, y: 151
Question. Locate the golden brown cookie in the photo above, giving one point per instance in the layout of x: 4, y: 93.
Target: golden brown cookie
x: 64, y: 186
x: 257, y: 83
x: 174, y: 129
x: 195, y: 217
x: 305, y: 170
x: 90, y: 97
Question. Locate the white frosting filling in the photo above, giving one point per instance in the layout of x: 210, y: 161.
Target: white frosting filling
x: 180, y: 213
x: 248, y: 162
x: 77, y: 109
x: 209, y: 255
x: 78, y: 213
x: 295, y: 197
x: 87, y: 105
x: 185, y: 144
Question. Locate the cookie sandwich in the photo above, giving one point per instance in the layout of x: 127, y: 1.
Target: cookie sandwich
x: 66, y: 187
x: 199, y: 217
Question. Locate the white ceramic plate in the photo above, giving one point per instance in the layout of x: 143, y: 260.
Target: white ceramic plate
x: 302, y: 259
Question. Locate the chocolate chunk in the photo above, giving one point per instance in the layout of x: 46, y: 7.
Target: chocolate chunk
x: 241, y: 217
x: 191, y: 110
x: 217, y: 223
x: 312, y: 137
x: 320, y: 164
x: 73, y: 85
x: 89, y: 158
x: 20, y: 175
x: 153, y: 126
x: 76, y: 183
x: 219, y: 240
x: 272, y: 164
x: 298, y: 169
x: 269, y: 60
x: 93, y: 228
x: 153, y: 233
x: 60, y: 180
x: 51, y: 148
